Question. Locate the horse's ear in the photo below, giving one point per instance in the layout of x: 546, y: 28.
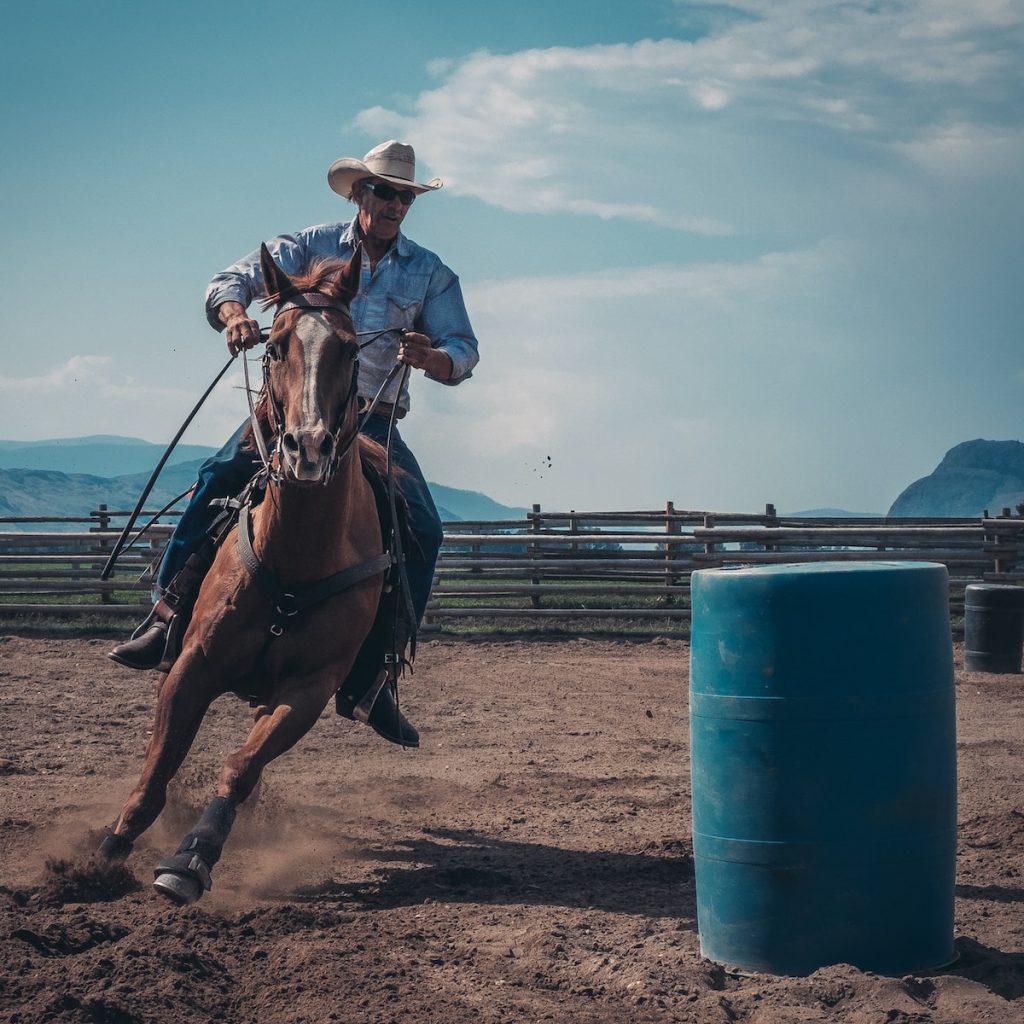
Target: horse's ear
x: 275, y: 279
x: 349, y: 279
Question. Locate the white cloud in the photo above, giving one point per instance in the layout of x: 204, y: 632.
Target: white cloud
x: 556, y: 130
x: 963, y: 150
x: 94, y: 394
x: 628, y: 378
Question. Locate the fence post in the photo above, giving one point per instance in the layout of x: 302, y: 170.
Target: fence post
x: 672, y: 528
x: 709, y: 524
x: 475, y: 552
x: 999, y: 564
x: 102, y: 516
x: 534, y: 518
x: 770, y: 519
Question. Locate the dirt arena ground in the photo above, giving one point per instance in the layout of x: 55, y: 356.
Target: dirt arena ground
x: 530, y: 863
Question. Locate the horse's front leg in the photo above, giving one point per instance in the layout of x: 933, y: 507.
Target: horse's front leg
x: 184, y: 698
x: 184, y: 876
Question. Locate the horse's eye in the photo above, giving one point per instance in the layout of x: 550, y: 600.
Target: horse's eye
x: 273, y: 352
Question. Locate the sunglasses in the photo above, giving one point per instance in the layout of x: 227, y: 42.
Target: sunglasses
x: 385, y: 193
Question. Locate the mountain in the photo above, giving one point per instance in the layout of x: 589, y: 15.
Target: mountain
x: 43, y: 492
x: 470, y: 504
x: 99, y: 455
x: 972, y: 476
x: 73, y: 476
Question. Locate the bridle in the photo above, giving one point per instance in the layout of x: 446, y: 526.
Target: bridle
x: 313, y: 302
x: 296, y: 300
x: 288, y: 604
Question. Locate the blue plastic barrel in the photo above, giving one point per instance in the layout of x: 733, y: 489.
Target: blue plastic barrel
x: 993, y: 627
x: 823, y: 745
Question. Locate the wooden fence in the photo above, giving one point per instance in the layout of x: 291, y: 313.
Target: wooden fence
x: 615, y: 570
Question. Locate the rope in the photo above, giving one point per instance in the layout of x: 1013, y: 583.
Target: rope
x: 120, y: 543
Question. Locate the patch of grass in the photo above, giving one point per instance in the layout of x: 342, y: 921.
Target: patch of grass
x: 37, y: 624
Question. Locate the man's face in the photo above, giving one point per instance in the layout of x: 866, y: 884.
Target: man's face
x: 380, y: 218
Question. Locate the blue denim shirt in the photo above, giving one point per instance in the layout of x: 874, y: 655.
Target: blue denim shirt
x: 409, y: 288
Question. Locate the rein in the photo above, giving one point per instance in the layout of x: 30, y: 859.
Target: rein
x: 287, y: 604
x: 311, y: 300
x: 119, y: 544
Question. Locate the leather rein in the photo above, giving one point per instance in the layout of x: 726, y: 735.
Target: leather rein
x: 291, y: 602
x: 287, y: 603
x: 310, y: 302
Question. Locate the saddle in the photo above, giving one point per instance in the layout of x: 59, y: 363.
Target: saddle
x: 390, y: 645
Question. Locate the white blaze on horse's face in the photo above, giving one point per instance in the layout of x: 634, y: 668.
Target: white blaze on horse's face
x: 312, y: 406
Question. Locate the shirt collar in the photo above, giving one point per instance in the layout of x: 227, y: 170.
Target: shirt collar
x: 350, y: 236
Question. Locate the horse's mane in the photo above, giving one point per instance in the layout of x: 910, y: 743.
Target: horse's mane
x: 323, y: 275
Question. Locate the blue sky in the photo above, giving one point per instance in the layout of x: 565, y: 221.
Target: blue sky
x: 721, y: 254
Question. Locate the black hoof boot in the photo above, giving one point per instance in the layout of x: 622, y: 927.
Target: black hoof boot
x: 144, y: 651
x: 387, y: 721
x: 182, y: 878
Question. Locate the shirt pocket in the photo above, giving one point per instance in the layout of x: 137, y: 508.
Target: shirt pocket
x: 402, y: 312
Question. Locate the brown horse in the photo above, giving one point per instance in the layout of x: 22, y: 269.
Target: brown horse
x: 318, y: 518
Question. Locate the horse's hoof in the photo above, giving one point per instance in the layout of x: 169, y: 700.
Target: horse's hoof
x: 181, y: 889
x: 114, y: 848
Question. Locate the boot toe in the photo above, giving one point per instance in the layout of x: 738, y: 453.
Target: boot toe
x: 142, y: 652
x: 389, y: 723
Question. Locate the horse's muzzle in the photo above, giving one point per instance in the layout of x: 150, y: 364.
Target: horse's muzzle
x: 306, y: 453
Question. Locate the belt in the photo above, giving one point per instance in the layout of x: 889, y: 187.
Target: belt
x: 384, y: 409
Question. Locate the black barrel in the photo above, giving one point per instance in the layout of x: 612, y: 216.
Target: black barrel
x: 993, y: 627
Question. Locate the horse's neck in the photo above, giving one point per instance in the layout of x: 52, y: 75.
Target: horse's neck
x: 307, y: 533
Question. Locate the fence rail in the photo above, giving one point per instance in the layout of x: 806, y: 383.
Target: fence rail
x: 631, y: 567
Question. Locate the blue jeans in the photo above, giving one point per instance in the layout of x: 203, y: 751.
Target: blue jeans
x: 223, y: 475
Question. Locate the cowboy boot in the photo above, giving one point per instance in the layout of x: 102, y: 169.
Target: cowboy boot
x: 145, y: 649
x: 369, y: 694
x: 157, y: 641
x: 379, y: 710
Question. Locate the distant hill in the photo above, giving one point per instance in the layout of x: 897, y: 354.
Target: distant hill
x: 73, y: 476
x: 973, y: 476
x: 43, y: 492
x: 97, y: 456
x: 470, y: 504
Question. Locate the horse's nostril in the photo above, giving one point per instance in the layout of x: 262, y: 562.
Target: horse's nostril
x: 327, y: 445
x: 290, y: 443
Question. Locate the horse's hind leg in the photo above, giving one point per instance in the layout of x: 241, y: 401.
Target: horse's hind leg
x: 184, y: 876
x: 184, y: 697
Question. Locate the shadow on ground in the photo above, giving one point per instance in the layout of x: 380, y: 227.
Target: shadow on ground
x: 465, y: 866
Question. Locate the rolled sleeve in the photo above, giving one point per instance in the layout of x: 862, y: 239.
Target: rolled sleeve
x: 444, y: 319
x: 243, y: 281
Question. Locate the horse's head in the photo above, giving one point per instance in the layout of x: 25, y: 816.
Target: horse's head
x: 311, y: 365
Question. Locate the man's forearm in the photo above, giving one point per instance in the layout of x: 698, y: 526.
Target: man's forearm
x: 228, y: 311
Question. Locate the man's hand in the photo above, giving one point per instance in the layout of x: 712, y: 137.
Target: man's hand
x: 417, y: 350
x: 242, y: 332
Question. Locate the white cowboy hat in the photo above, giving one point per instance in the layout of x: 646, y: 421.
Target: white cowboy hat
x: 393, y: 161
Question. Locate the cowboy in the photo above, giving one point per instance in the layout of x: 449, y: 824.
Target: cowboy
x: 407, y: 293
